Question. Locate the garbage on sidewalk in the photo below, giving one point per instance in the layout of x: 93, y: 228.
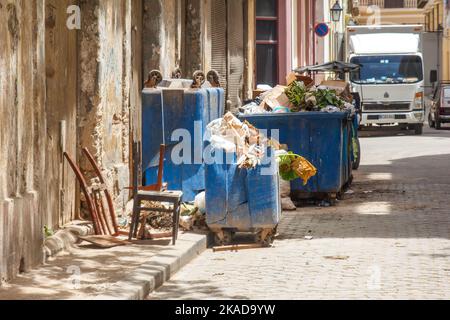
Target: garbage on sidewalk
x: 293, y: 166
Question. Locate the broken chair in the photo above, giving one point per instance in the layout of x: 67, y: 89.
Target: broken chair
x: 156, y: 193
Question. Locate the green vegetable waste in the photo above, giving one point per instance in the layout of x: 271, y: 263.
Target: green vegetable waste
x: 311, y: 100
x: 286, y: 171
x: 292, y: 167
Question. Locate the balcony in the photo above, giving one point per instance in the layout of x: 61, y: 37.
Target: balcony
x: 387, y: 4
x: 390, y: 12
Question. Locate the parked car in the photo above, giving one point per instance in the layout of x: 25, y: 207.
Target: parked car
x: 440, y: 105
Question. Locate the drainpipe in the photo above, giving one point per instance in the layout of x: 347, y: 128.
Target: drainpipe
x: 314, y: 7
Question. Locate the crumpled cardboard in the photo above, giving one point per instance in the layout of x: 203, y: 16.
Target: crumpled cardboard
x: 276, y: 98
x: 232, y: 135
x: 304, y: 169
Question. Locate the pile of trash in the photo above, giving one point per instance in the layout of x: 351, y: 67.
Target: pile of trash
x: 293, y: 166
x: 153, y: 224
x: 193, y: 215
x: 232, y: 135
x: 300, y: 95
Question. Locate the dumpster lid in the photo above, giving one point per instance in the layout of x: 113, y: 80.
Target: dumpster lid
x: 333, y: 66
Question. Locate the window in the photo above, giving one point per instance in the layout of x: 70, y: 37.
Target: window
x: 389, y: 69
x: 267, y: 42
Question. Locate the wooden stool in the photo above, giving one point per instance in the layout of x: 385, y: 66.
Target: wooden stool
x: 155, y: 193
x: 170, y: 197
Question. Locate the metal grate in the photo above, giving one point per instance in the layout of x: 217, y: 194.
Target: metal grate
x: 387, y: 107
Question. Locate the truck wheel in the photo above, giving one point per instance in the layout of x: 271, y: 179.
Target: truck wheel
x: 418, y: 129
x: 431, y: 123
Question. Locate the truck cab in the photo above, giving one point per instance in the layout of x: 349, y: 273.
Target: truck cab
x: 390, y: 81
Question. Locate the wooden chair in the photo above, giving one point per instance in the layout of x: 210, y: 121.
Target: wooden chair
x: 154, y: 193
x: 103, y: 217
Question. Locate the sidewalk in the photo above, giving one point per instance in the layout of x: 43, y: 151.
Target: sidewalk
x: 88, y: 273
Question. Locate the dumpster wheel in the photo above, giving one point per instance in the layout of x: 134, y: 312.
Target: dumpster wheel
x: 198, y: 79
x: 154, y: 78
x: 213, y: 78
x: 265, y: 237
x: 223, y: 237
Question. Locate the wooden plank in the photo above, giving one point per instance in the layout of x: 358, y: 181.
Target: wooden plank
x: 238, y: 247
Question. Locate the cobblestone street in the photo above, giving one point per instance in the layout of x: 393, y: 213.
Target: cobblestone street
x: 390, y: 239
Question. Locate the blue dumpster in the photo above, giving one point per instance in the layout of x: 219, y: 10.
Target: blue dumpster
x: 243, y: 200
x: 178, y: 119
x: 322, y: 138
x: 355, y: 144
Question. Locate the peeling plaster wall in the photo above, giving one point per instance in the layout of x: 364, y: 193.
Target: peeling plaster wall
x: 161, y: 43
x: 50, y: 74
x: 105, y: 66
x: 176, y: 34
x: 22, y: 135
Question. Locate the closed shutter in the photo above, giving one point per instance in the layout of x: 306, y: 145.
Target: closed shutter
x: 219, y: 39
x: 236, y: 52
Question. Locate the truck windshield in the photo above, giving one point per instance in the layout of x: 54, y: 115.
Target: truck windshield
x: 393, y: 69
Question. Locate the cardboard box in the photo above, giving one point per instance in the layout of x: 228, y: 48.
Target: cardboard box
x: 276, y: 98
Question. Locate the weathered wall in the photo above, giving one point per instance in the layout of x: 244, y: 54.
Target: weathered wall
x: 176, y: 34
x: 161, y: 26
x: 105, y: 77
x: 61, y: 113
x: 62, y: 89
x: 22, y: 135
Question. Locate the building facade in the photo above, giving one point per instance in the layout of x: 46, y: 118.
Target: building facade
x: 437, y: 22
x: 70, y: 78
x: 71, y: 75
x: 387, y: 12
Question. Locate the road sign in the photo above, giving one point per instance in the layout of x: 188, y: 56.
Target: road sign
x: 321, y: 29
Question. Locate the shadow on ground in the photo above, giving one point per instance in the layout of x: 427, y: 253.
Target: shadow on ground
x: 406, y: 199
x: 84, y: 272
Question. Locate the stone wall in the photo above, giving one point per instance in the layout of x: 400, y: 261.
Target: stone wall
x: 105, y: 77
x: 175, y: 35
x: 62, y: 89
x: 22, y: 135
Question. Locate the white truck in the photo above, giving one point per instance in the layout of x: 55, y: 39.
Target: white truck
x: 391, y: 79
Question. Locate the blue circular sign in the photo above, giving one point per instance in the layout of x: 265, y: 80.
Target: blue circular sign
x: 321, y: 29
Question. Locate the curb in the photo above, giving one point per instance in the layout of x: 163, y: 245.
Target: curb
x: 159, y: 269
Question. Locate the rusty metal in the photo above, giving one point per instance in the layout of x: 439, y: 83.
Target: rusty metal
x: 198, y: 79
x: 177, y: 74
x: 101, y: 212
x: 106, y: 191
x: 100, y: 215
x: 237, y: 247
x: 154, y: 78
x: 87, y: 195
x: 213, y: 78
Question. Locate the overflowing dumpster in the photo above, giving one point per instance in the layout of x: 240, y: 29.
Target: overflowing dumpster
x: 323, y: 138
x: 242, y: 200
x: 178, y: 118
x: 242, y: 182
